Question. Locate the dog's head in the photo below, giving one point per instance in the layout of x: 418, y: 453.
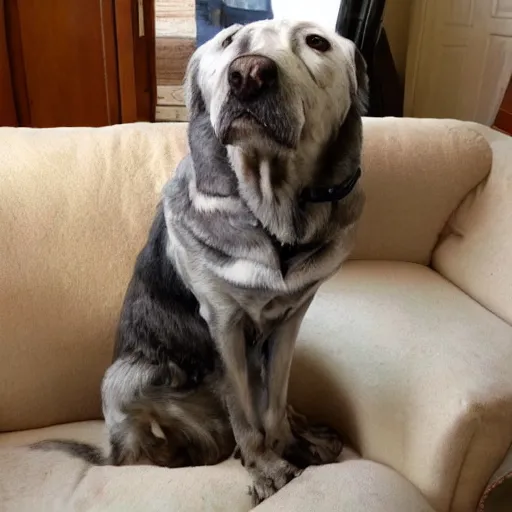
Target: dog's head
x: 272, y: 85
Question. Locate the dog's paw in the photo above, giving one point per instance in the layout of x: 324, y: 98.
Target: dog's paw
x: 237, y: 455
x: 313, y: 444
x: 270, y: 479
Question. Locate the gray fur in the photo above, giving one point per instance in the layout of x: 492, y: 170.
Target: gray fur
x: 84, y: 451
x: 234, y: 259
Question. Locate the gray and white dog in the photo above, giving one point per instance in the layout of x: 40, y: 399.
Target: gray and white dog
x: 257, y: 216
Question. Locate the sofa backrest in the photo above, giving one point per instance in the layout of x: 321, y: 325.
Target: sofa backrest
x: 75, y: 207
x: 415, y: 173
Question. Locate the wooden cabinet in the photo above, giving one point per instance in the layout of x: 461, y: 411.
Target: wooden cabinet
x: 76, y: 62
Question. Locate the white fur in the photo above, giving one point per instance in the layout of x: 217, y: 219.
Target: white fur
x: 319, y: 96
x: 207, y: 203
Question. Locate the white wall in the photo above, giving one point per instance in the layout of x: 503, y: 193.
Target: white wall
x: 397, y: 18
x: 324, y: 12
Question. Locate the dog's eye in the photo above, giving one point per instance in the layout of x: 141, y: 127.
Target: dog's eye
x: 318, y: 43
x: 227, y: 41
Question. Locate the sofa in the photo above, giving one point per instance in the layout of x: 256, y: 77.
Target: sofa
x: 407, y: 351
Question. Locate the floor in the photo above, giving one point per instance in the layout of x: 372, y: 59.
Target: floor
x: 175, y: 43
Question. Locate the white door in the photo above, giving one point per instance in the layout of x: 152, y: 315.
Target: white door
x: 459, y: 60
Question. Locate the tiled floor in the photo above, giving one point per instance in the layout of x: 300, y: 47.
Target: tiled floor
x: 175, y: 43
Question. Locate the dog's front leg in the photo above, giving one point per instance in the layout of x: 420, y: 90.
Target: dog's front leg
x: 282, y: 345
x: 288, y: 433
x: 268, y: 469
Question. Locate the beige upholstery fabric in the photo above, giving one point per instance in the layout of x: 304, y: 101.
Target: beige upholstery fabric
x: 33, y: 480
x: 48, y: 482
x: 75, y: 205
x: 415, y: 372
x: 354, y: 486
x: 477, y: 251
x: 415, y: 173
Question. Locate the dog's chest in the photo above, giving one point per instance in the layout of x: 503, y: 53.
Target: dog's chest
x: 266, y: 310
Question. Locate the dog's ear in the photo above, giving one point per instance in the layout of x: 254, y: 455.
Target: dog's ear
x: 193, y: 95
x: 343, y: 152
x: 205, y: 149
x: 361, y: 92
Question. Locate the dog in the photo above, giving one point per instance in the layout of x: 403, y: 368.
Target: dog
x: 260, y: 213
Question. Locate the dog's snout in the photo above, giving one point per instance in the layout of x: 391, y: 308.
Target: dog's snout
x: 251, y: 75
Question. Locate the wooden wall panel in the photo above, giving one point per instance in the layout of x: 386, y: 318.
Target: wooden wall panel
x: 64, y: 56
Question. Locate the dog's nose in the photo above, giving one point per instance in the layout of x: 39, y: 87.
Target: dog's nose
x: 251, y: 75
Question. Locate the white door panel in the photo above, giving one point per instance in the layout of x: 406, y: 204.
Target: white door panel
x: 459, y: 59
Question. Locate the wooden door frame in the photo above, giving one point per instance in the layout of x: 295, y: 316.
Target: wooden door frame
x: 136, y: 59
x: 135, y: 62
x: 18, y: 77
x: 8, y: 114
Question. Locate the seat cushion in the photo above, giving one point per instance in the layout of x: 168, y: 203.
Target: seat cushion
x: 415, y: 371
x: 50, y: 481
x: 353, y: 486
x: 411, y: 368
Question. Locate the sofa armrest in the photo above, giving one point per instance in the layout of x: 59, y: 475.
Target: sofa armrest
x: 497, y: 496
x: 415, y: 373
x: 475, y: 252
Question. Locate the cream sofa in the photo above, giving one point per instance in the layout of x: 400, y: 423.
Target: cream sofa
x: 408, y: 350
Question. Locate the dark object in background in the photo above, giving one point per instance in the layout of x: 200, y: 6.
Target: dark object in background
x: 214, y: 15
x: 361, y: 22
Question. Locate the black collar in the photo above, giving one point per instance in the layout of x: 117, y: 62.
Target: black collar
x: 331, y: 194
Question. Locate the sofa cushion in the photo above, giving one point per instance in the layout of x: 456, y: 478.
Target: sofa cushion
x: 75, y: 208
x: 49, y: 481
x: 353, y: 486
x: 476, y: 250
x: 416, y: 372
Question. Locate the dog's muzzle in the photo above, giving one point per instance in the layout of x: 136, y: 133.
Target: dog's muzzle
x: 255, y: 106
